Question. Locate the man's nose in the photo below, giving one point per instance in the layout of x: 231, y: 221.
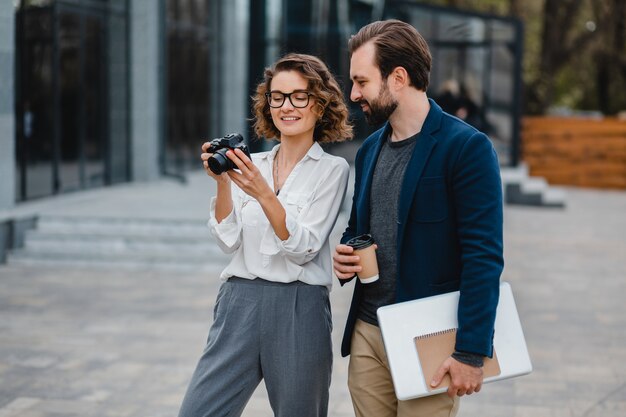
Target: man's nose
x: 355, y: 93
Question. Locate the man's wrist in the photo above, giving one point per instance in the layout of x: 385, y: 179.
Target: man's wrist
x: 468, y: 358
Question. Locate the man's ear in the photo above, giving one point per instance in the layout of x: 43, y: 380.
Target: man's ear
x: 399, y: 78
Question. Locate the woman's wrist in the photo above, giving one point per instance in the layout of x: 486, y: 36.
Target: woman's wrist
x: 222, y: 180
x: 224, y: 190
x: 267, y: 197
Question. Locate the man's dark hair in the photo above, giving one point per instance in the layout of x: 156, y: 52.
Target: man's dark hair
x: 397, y: 44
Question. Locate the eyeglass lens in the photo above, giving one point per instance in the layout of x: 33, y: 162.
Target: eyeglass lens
x: 298, y: 99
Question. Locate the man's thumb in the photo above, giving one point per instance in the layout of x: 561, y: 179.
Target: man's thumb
x: 443, y: 369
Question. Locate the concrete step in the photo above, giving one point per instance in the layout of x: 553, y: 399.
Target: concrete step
x: 532, y: 185
x: 511, y: 175
x: 554, y: 196
x: 122, y: 226
x: 128, y: 262
x: 93, y: 243
x: 521, y: 189
x: 150, y: 244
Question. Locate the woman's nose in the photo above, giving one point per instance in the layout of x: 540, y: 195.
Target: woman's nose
x: 287, y: 105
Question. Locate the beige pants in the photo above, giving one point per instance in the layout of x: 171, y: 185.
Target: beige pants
x: 371, y: 386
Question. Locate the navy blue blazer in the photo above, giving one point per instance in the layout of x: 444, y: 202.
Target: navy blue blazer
x: 449, y: 224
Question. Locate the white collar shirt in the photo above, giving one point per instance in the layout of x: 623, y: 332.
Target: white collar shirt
x: 312, y: 196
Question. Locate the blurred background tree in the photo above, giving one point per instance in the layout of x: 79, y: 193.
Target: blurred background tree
x: 575, y: 51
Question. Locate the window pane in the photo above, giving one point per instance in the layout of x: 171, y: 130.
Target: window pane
x: 187, y: 83
x: 34, y: 111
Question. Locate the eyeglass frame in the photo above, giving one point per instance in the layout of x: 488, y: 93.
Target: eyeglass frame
x: 286, y: 96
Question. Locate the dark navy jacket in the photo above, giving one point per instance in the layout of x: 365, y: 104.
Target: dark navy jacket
x: 449, y: 224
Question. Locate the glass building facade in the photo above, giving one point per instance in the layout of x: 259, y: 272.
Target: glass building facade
x: 71, y: 96
x: 110, y: 91
x: 187, y: 67
x: 481, y: 55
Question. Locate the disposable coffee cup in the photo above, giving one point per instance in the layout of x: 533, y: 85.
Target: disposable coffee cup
x: 363, y: 246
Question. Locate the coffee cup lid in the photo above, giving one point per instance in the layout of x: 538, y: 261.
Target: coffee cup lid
x: 361, y: 242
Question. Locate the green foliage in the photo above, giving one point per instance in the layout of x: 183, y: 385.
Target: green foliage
x: 586, y: 70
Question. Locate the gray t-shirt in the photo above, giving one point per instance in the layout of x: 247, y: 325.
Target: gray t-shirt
x: 384, y: 195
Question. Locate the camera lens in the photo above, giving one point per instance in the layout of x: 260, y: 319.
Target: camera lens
x: 219, y: 162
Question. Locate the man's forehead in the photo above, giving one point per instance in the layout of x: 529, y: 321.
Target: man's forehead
x: 362, y: 61
x: 364, y: 72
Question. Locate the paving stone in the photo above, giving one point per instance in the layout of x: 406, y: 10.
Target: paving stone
x: 107, y: 343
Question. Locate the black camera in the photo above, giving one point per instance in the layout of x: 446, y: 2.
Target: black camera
x: 219, y: 162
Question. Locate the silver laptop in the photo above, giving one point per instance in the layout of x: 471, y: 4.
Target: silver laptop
x: 402, y: 323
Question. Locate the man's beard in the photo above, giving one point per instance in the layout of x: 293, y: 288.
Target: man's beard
x: 380, y: 108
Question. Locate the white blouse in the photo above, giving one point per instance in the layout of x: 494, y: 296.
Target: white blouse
x: 312, y: 196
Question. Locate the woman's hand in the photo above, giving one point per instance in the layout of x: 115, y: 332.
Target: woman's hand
x: 252, y: 183
x: 250, y: 179
x: 205, y: 158
x: 224, y: 203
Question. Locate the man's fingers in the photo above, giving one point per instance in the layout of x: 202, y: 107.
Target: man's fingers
x: 346, y: 259
x: 342, y: 275
x: 345, y: 263
x: 345, y: 266
x: 346, y: 269
x: 346, y: 254
x: 464, y: 379
x: 344, y: 249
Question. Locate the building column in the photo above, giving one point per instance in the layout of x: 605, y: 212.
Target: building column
x: 7, y: 98
x: 234, y: 62
x: 230, y: 82
x: 146, y: 95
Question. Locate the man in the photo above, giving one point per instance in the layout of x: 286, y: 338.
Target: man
x: 428, y: 190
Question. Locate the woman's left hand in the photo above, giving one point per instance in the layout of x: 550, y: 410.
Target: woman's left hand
x: 250, y: 180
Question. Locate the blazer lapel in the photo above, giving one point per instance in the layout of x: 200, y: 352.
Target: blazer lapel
x: 424, y: 146
x: 413, y: 173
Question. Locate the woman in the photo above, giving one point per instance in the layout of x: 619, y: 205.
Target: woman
x: 272, y: 316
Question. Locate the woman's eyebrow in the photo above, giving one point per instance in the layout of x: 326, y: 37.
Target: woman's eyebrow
x: 301, y: 90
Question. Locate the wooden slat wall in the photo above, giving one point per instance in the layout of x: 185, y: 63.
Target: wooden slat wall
x: 580, y: 152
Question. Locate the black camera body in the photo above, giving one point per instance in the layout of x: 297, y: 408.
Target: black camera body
x: 219, y: 162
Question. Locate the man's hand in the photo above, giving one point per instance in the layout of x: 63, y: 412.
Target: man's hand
x: 464, y: 379
x: 345, y: 263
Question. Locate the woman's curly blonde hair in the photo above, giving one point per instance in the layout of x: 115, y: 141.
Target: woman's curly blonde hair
x: 330, y: 107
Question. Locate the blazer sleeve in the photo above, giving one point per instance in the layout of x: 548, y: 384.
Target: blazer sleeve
x: 477, y: 192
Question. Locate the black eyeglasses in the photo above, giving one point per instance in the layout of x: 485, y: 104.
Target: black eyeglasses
x: 298, y: 99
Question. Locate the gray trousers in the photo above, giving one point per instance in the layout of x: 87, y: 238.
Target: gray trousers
x: 265, y: 330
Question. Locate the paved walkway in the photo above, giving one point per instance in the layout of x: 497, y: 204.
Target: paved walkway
x: 95, y: 343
